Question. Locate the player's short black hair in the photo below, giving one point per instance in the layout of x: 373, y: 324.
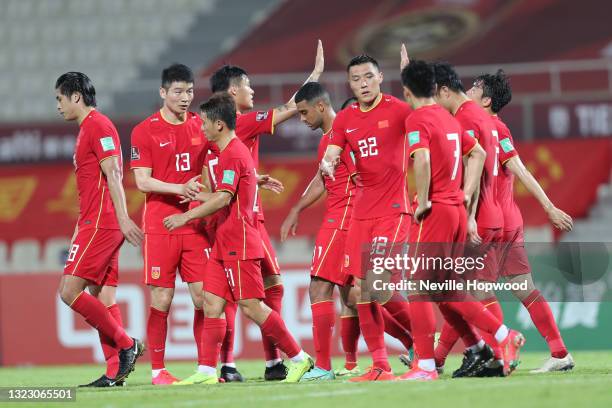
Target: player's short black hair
x: 312, y: 92
x: 349, y: 101
x: 362, y: 59
x: 419, y: 77
x: 220, y: 106
x: 447, y: 76
x: 225, y: 76
x: 72, y: 82
x: 497, y: 87
x: 176, y: 73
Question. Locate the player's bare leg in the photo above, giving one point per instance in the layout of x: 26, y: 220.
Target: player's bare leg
x: 157, y: 331
x: 72, y: 292
x: 323, y: 319
x: 107, y: 295
x: 349, y: 329
x: 544, y: 320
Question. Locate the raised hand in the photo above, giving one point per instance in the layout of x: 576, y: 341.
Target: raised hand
x: 404, y: 60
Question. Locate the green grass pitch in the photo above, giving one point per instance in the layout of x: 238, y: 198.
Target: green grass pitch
x: 588, y: 385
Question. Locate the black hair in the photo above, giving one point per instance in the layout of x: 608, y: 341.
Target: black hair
x: 419, y: 77
x: 220, y: 106
x: 497, y: 87
x: 72, y: 82
x: 176, y: 73
x: 312, y: 92
x: 223, y: 78
x: 447, y: 76
x: 349, y: 101
x: 362, y: 59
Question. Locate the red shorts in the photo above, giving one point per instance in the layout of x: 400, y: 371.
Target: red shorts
x: 441, y: 233
x: 94, y: 256
x: 376, y: 237
x: 165, y: 253
x: 513, y: 259
x: 234, y: 280
x: 490, y: 251
x: 269, y: 264
x: 328, y: 256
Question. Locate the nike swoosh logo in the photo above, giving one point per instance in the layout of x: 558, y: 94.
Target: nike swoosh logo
x: 351, y: 130
x: 112, y: 383
x: 164, y: 144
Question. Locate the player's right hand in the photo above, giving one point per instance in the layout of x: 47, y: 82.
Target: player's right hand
x: 319, y: 60
x: 472, y: 232
x: 192, y: 187
x: 290, y: 224
x: 404, y: 60
x: 131, y: 232
x: 421, y: 211
x: 328, y: 167
x: 560, y: 220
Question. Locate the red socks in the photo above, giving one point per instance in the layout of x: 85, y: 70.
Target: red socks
x: 198, y: 330
x: 275, y: 330
x: 323, y: 319
x: 274, y: 300
x: 395, y: 329
x: 349, y: 333
x: 157, y: 330
x: 111, y: 352
x: 373, y: 329
x: 423, y: 328
x: 98, y: 316
x: 227, y: 348
x: 544, y: 321
x: 214, y: 331
x: 493, y: 306
x: 399, y: 308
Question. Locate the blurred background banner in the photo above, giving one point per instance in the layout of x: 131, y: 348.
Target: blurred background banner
x: 557, y: 53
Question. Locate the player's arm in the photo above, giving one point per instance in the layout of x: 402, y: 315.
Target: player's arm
x: 313, y: 192
x: 111, y: 169
x: 286, y: 111
x: 422, y: 176
x: 217, y: 201
x: 474, y: 165
x: 558, y: 218
x: 148, y: 184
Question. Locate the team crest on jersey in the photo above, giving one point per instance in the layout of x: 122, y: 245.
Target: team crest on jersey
x: 382, y: 124
x: 261, y: 116
x: 155, y: 272
x: 135, y: 153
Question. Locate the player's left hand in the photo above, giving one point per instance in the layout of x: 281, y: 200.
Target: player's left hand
x: 192, y: 187
x: 289, y: 225
x: 404, y: 60
x: 560, y: 220
x: 472, y: 232
x: 175, y: 221
x: 131, y: 232
x: 421, y: 211
x: 319, y: 61
x: 270, y: 183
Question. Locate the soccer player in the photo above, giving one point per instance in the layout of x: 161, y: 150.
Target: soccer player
x: 485, y: 219
x: 493, y: 92
x: 234, y: 271
x: 102, y: 226
x: 167, y: 157
x: 373, y: 129
x: 435, y: 144
x: 249, y: 127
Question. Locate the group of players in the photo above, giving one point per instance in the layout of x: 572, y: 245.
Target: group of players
x: 203, y: 217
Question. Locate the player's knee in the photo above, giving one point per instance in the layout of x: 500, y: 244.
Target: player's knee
x: 320, y: 291
x: 162, y: 299
x: 68, y: 294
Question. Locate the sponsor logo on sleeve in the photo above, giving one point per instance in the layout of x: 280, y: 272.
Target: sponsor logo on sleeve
x: 135, y: 153
x: 414, y: 138
x: 470, y: 132
x: 506, y: 145
x: 107, y: 143
x: 228, y: 177
x: 261, y: 116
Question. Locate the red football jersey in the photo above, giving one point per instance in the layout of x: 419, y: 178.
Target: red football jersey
x: 478, y: 124
x: 377, y: 138
x: 210, y: 162
x: 249, y: 126
x: 237, y: 237
x: 512, y: 215
x: 341, y: 191
x: 97, y: 140
x: 431, y: 127
x: 175, y: 154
